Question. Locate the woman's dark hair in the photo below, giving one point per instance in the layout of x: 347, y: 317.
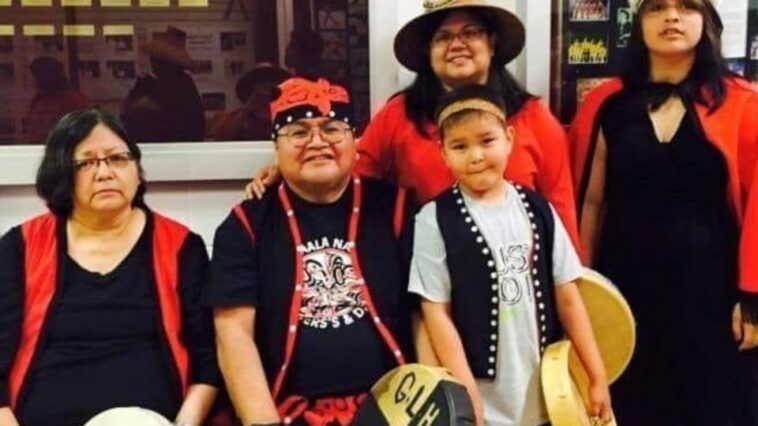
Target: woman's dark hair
x: 55, y: 176
x: 422, y: 96
x: 470, y: 92
x: 705, y: 83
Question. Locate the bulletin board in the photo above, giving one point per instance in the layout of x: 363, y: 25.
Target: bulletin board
x: 590, y: 39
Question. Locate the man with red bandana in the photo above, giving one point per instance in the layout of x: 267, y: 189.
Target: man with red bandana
x: 303, y: 344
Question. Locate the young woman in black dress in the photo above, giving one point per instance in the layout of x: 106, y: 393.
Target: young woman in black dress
x: 665, y: 160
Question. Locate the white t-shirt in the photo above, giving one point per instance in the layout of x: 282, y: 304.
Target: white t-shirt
x: 514, y: 398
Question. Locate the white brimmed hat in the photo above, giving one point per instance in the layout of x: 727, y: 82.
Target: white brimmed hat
x: 411, y: 42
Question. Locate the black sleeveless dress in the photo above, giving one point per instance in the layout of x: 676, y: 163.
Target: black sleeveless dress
x: 669, y: 241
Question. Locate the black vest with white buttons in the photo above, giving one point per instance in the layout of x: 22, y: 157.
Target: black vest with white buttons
x: 475, y: 287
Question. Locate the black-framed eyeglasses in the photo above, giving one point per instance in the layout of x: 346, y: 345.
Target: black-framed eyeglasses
x: 118, y: 160
x: 299, y: 135
x: 467, y: 35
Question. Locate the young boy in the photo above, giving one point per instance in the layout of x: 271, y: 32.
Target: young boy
x: 495, y: 269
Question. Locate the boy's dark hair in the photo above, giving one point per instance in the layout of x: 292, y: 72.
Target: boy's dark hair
x: 465, y: 93
x: 55, y: 175
x: 705, y: 83
x: 423, y: 95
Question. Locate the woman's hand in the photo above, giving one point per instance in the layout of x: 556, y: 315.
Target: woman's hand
x: 262, y: 179
x: 744, y: 332
x: 599, y: 407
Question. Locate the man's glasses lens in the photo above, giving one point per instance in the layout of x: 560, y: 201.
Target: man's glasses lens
x: 467, y: 35
x: 332, y: 133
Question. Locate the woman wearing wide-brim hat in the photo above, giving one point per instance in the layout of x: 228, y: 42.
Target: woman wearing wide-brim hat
x: 452, y: 44
x: 411, y: 42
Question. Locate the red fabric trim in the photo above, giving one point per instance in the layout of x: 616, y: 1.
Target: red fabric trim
x: 240, y: 213
x: 297, y: 294
x: 399, y: 216
x: 352, y: 237
x: 168, y: 237
x: 321, y: 412
x: 41, y: 272
x: 722, y: 130
x: 292, y: 408
x: 582, y: 127
x: 303, y: 92
x: 749, y: 240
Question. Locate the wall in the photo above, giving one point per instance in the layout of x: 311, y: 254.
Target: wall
x: 198, y: 183
x: 178, y: 186
x: 201, y: 205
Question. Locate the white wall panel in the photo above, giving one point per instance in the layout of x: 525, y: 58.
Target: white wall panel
x: 200, y: 205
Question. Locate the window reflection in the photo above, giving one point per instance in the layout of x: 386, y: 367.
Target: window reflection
x: 174, y: 70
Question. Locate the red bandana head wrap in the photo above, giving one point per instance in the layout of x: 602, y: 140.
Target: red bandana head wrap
x: 300, y: 98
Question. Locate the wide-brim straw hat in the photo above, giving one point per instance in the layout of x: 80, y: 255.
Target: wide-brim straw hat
x: 170, y: 45
x: 128, y: 416
x: 412, y: 44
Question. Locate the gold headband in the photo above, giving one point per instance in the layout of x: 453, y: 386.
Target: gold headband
x: 477, y: 104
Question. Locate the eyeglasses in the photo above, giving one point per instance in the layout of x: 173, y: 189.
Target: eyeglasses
x: 114, y: 161
x: 467, y: 35
x: 299, y: 135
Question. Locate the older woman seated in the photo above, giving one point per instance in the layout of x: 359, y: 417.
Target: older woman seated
x: 100, y: 297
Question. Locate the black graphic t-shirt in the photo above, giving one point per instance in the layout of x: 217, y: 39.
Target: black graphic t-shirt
x: 337, y: 342
x: 338, y: 349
